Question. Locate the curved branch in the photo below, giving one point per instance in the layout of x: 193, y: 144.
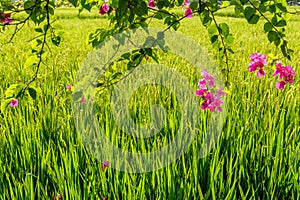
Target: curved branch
x: 223, y: 43
x: 40, y: 61
x: 273, y: 26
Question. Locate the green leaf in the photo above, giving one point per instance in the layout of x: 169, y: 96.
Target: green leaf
x: 205, y: 18
x: 160, y: 5
x: 142, y: 8
x: 249, y: 12
x: 194, y: 5
x: 281, y: 7
x: 229, y: 40
x: 13, y: 90
x: 238, y: 9
x: 73, y: 2
x: 281, y: 23
x: 244, y: 2
x: 51, y: 10
x: 86, y: 5
x: 56, y: 40
x: 125, y: 56
x: 272, y: 8
x: 250, y: 15
x: 213, y: 39
x: 32, y: 92
x: 224, y: 29
x: 212, y: 30
x: 274, y: 20
x: 116, y: 75
x: 28, y: 5
x: 136, y: 59
x: 274, y: 37
x: 39, y: 30
x: 158, y: 15
x: 267, y: 27
x: 262, y: 7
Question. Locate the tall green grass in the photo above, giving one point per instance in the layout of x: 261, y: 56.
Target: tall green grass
x: 256, y: 157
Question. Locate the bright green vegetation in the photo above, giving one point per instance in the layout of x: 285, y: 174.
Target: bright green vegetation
x: 256, y: 157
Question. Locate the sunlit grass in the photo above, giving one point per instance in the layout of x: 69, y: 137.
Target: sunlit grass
x: 256, y: 157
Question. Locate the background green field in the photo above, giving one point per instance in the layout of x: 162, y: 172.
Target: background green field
x: 256, y: 157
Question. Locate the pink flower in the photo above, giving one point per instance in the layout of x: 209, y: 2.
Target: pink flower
x: 59, y: 196
x: 14, y: 102
x: 69, y: 87
x: 82, y: 100
x: 220, y: 92
x: 5, y: 19
x: 280, y: 85
x: 213, y: 103
x: 208, y: 77
x: 210, y: 101
x: 105, y: 165
x: 188, y: 13
x: 201, y: 92
x: 151, y: 4
x: 279, y: 70
x: 185, y: 3
x: 104, y: 9
x: 258, y: 61
x: 285, y: 72
x: 202, y: 83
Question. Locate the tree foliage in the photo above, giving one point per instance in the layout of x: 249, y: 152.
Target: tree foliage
x: 132, y: 14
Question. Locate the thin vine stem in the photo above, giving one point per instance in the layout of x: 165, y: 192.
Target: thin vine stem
x: 40, y: 54
x: 223, y: 43
x: 273, y: 26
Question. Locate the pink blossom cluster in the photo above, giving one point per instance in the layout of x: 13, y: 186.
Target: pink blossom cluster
x: 151, y: 4
x: 188, y: 11
x: 258, y: 61
x: 6, y: 19
x: 211, y: 101
x: 104, y: 9
x: 284, y: 72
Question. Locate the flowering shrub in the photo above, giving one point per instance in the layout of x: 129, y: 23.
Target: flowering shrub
x: 139, y: 13
x: 258, y: 61
x: 284, y: 72
x: 210, y: 101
